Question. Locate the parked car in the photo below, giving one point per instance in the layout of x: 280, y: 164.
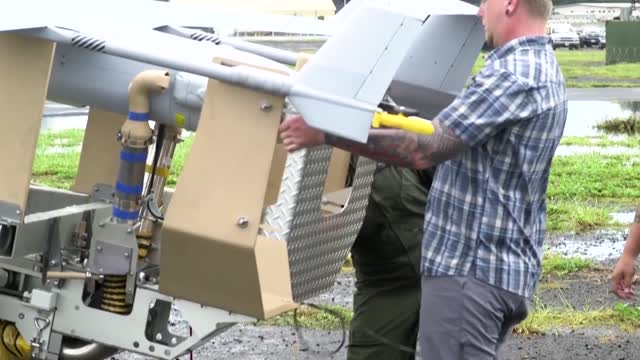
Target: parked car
x: 591, y: 37
x: 564, y: 36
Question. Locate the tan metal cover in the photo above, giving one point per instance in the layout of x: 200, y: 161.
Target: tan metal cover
x: 25, y: 66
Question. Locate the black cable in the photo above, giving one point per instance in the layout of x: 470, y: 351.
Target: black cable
x: 152, y: 212
x: 343, y: 321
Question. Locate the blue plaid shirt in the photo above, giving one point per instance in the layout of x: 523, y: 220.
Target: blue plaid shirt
x: 486, y: 212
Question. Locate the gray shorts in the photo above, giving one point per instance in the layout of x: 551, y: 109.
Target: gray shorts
x: 464, y: 318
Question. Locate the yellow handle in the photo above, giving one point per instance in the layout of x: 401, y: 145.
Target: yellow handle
x: 412, y: 124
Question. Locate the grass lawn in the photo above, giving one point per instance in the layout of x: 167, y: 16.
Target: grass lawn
x: 586, y: 68
x: 578, y: 199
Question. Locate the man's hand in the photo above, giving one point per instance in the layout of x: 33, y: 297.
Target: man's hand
x: 296, y: 134
x: 622, y: 278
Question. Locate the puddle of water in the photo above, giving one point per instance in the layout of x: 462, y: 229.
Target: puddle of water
x: 597, y: 251
x: 582, y: 116
x: 623, y: 217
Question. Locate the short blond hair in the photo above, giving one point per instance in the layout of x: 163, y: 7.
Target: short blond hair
x: 539, y: 8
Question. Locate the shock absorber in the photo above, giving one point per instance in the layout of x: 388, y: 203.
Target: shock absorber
x: 135, y: 137
x: 114, y: 295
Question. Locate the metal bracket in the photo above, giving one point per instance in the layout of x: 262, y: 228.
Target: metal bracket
x: 113, y: 250
x: 111, y: 259
x: 206, y: 322
x: 103, y: 192
x: 10, y: 214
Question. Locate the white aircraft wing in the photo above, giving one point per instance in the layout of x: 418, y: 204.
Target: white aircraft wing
x: 338, y: 91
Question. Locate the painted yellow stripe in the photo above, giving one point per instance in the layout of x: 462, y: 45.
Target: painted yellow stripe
x: 180, y: 119
x: 162, y: 172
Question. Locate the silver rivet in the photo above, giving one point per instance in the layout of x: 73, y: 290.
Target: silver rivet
x: 126, y: 254
x: 99, y: 248
x: 174, y: 341
x: 158, y: 336
x: 242, y: 222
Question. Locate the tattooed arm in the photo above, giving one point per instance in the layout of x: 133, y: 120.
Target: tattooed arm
x: 622, y: 278
x: 402, y: 148
x: 394, y: 147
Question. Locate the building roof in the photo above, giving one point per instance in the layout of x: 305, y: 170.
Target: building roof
x: 269, y: 6
x: 618, y: 5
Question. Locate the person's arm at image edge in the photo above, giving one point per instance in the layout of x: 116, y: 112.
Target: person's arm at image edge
x: 623, y: 273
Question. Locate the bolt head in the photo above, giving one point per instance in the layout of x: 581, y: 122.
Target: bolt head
x: 242, y: 222
x: 266, y: 107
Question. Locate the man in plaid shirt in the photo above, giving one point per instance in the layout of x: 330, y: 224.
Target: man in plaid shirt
x: 485, y: 218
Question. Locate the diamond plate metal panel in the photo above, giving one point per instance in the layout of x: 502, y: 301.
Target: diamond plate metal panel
x: 317, y: 243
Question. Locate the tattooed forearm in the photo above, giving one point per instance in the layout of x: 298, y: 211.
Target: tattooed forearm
x: 397, y: 147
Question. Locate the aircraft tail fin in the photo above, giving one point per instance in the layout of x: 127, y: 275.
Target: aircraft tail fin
x: 357, y: 63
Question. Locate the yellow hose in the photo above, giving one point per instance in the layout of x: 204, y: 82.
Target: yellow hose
x: 12, y: 345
